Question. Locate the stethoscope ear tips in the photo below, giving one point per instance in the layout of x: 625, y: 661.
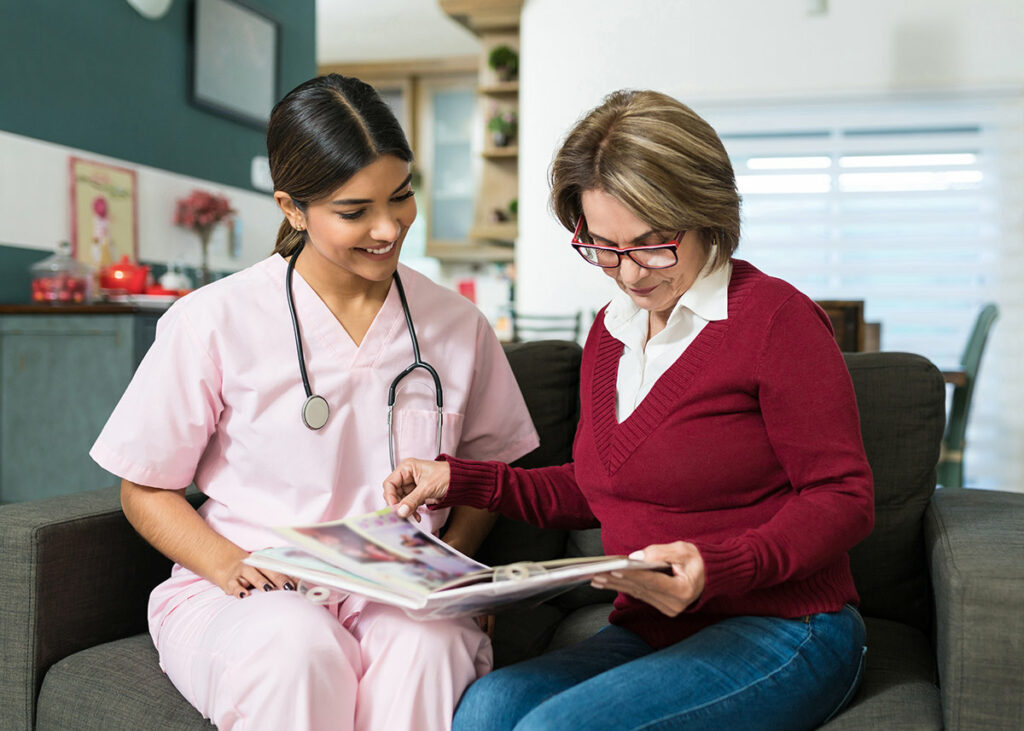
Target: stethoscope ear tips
x: 315, y: 412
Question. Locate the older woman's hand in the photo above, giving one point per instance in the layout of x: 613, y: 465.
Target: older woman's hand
x: 669, y: 594
x: 416, y: 482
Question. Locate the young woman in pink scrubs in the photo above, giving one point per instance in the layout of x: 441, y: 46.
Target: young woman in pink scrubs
x: 219, y: 401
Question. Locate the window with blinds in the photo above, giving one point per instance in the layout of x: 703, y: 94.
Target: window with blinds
x: 913, y: 205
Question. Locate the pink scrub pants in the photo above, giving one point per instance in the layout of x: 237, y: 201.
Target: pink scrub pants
x: 277, y: 661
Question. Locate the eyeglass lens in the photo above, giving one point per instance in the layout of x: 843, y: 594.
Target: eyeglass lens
x: 655, y: 257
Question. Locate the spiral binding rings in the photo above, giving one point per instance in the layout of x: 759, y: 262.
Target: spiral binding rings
x: 518, y: 571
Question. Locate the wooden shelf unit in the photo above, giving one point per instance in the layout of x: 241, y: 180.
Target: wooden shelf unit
x: 496, y: 23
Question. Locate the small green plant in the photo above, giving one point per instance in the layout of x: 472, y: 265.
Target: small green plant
x: 505, y: 61
x: 503, y: 123
x: 513, y: 207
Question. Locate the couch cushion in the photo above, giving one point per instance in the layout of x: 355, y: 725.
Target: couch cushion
x: 898, y: 690
x: 523, y: 632
x: 548, y: 374
x: 580, y: 625
x: 117, y: 685
x: 901, y: 398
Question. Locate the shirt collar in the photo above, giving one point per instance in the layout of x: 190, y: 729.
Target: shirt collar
x: 707, y: 298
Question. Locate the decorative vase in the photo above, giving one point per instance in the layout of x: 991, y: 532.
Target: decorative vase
x: 204, y: 233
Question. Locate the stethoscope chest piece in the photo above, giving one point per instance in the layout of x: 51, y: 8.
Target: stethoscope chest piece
x: 315, y: 412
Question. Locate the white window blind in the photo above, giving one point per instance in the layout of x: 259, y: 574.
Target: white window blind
x: 913, y: 205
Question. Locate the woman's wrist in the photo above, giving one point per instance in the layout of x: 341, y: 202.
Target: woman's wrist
x: 470, y: 483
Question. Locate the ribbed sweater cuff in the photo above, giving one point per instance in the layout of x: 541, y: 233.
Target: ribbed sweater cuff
x: 472, y: 483
x: 728, y: 569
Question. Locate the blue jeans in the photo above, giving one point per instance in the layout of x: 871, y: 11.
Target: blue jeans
x: 741, y: 673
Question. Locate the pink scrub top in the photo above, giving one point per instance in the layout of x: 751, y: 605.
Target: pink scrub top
x: 217, y: 400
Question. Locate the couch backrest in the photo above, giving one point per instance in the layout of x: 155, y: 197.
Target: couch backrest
x: 902, y: 403
x: 548, y: 373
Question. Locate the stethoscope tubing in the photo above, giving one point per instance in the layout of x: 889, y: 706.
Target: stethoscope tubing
x: 316, y: 410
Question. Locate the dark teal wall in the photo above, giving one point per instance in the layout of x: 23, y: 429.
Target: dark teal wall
x: 97, y: 76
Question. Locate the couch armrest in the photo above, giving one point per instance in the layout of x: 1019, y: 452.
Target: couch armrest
x: 74, y: 574
x: 975, y: 545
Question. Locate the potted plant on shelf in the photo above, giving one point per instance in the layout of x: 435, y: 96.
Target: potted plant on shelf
x: 502, y: 126
x: 505, y: 62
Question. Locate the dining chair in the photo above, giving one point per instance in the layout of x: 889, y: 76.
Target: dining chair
x: 545, y: 327
x: 847, y: 318
x: 951, y: 459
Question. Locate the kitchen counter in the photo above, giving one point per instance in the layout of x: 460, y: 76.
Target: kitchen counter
x: 98, y: 308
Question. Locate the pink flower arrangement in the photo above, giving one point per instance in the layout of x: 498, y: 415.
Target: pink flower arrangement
x: 201, y: 211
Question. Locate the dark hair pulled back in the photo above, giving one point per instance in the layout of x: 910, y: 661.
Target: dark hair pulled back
x: 322, y: 133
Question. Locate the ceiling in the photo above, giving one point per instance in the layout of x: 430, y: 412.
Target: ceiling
x: 351, y: 31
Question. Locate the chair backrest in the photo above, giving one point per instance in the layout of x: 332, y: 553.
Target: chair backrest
x: 545, y: 327
x: 847, y: 318
x: 954, y: 440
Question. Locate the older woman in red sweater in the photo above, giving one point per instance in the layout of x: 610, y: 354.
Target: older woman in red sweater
x: 719, y: 434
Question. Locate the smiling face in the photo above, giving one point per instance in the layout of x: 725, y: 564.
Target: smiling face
x: 656, y: 290
x: 354, y: 235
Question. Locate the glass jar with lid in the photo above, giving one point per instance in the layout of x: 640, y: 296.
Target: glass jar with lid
x: 61, y: 279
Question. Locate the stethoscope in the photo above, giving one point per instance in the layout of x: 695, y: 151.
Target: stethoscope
x: 316, y: 409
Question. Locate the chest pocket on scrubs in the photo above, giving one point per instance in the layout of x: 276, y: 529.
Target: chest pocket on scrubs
x: 416, y: 433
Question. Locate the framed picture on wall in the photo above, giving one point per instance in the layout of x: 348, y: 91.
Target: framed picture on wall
x: 104, y: 212
x: 235, y: 60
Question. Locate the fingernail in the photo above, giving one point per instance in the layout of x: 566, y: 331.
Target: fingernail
x: 288, y: 586
x: 403, y: 511
x: 616, y: 574
x: 242, y: 595
x: 597, y: 583
x: 637, y: 555
x: 267, y: 587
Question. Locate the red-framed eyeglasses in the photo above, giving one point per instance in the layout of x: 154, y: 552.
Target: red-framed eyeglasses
x: 657, y: 256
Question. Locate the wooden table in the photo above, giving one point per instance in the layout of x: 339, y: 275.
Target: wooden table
x: 956, y: 376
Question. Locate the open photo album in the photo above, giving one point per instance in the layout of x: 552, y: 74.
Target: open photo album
x: 392, y: 560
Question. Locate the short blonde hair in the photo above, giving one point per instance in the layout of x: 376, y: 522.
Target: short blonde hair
x: 658, y: 158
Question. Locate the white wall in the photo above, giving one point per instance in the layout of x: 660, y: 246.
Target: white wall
x: 388, y: 30
x: 35, y: 207
x: 576, y: 51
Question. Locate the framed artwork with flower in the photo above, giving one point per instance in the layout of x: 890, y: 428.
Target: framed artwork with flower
x: 104, y: 212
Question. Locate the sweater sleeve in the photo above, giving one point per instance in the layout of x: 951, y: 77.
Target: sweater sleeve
x: 547, y: 497
x: 810, y: 413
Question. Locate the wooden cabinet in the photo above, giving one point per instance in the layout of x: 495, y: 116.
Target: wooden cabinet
x: 61, y: 374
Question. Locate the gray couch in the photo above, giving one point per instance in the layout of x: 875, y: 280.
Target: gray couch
x: 941, y: 580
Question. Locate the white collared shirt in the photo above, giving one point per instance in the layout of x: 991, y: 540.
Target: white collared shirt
x: 644, y: 361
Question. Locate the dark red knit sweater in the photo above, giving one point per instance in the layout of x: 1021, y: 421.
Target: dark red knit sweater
x: 749, y: 446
